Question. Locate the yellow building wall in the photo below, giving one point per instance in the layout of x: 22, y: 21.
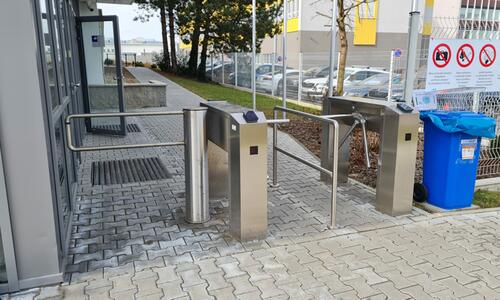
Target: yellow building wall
x: 292, y: 25
x: 365, y: 24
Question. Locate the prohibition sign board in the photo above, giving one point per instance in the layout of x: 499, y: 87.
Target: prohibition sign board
x: 487, y: 55
x: 441, y: 55
x: 465, y: 55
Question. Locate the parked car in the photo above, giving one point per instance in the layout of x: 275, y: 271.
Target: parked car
x: 352, y: 76
x: 244, y: 73
x: 269, y: 83
x: 228, y: 68
x: 292, y: 81
x: 361, y: 89
x: 381, y: 93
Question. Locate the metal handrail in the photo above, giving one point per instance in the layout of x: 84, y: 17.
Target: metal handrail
x: 334, y: 130
x: 74, y: 148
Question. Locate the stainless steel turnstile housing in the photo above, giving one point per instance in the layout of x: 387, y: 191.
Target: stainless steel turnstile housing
x: 237, y: 158
x: 398, y: 147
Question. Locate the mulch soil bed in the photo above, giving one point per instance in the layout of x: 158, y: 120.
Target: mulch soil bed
x: 308, y: 133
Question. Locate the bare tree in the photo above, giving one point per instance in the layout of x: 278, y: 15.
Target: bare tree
x: 345, y: 9
x: 344, y: 21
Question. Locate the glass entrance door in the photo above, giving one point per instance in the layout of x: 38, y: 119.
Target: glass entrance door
x: 3, y: 270
x: 99, y: 41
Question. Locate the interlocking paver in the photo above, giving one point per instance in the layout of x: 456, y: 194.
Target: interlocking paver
x: 135, y: 237
x: 242, y: 285
x: 198, y: 292
x: 390, y: 291
x: 362, y: 289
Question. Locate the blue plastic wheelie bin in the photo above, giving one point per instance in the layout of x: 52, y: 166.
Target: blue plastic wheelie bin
x: 452, y: 143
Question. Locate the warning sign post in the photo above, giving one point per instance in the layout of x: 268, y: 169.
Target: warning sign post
x: 463, y: 64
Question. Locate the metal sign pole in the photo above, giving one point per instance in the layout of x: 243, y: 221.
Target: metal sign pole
x: 236, y: 69
x: 299, y: 87
x: 272, y: 66
x: 411, y: 60
x: 333, y: 45
x: 212, y: 67
x: 254, y: 33
x: 285, y: 21
x: 223, y: 67
x: 391, y: 76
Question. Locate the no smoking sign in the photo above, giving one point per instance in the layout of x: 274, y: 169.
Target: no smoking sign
x: 465, y: 55
x: 488, y: 55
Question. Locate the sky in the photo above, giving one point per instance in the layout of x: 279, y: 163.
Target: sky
x: 130, y: 29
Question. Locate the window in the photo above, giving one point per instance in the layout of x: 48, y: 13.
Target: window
x: 3, y: 271
x: 325, y: 72
x: 58, y: 40
x: 49, y: 55
x: 293, y: 9
x: 358, y: 76
x: 367, y: 10
x: 263, y: 69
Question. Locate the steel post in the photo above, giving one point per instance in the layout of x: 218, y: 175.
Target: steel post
x: 196, y: 165
x: 411, y: 60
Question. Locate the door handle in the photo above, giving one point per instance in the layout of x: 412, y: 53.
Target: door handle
x: 76, y: 85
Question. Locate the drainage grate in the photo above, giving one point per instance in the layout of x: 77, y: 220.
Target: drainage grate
x: 128, y: 170
x: 132, y: 127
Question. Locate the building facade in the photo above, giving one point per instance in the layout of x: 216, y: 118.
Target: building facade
x: 40, y: 84
x: 372, y: 27
x: 377, y: 27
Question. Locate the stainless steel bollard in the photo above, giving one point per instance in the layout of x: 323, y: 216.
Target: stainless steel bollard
x: 196, y: 165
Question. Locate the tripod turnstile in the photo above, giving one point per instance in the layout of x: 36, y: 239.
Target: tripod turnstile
x: 398, y: 148
x: 237, y: 155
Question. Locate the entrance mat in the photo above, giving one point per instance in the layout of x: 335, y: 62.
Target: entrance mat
x: 128, y: 170
x: 132, y: 127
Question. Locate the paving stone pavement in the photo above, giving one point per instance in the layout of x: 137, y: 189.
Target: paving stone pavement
x: 130, y: 241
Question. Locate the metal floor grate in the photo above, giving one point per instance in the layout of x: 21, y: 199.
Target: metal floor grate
x: 128, y: 170
x: 132, y: 127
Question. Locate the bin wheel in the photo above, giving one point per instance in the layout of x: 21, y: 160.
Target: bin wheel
x: 420, y: 192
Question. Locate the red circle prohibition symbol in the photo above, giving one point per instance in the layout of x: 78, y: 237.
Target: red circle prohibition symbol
x: 440, y: 58
x: 487, y: 59
x: 463, y: 59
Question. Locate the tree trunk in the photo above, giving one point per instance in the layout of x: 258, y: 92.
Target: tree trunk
x: 343, y: 46
x: 203, y: 59
x: 343, y: 58
x: 164, y: 37
x: 195, y: 41
x: 171, y: 21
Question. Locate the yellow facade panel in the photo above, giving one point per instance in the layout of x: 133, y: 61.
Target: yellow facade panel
x: 292, y: 25
x: 365, y: 23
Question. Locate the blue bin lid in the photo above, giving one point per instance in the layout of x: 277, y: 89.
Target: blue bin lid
x: 462, y: 121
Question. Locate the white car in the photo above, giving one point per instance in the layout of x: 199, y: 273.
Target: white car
x: 268, y: 83
x: 319, y: 86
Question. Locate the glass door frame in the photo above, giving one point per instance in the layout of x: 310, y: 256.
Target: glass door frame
x: 119, y: 72
x: 7, y: 239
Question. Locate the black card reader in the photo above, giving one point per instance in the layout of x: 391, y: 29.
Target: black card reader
x: 405, y: 108
x: 250, y: 116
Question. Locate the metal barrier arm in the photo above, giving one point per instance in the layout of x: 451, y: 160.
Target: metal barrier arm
x: 358, y: 120
x: 334, y: 135
x: 74, y: 148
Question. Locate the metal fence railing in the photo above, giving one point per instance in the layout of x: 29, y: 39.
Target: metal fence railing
x: 487, y: 103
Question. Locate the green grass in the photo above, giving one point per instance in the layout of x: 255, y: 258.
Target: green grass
x: 487, y: 199
x: 213, y: 91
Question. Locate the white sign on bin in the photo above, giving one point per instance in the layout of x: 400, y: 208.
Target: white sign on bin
x: 468, y: 148
x: 424, y: 100
x: 463, y: 64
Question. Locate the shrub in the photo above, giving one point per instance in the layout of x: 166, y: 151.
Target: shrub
x: 154, y: 66
x: 159, y: 60
x: 139, y: 64
x: 109, y: 62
